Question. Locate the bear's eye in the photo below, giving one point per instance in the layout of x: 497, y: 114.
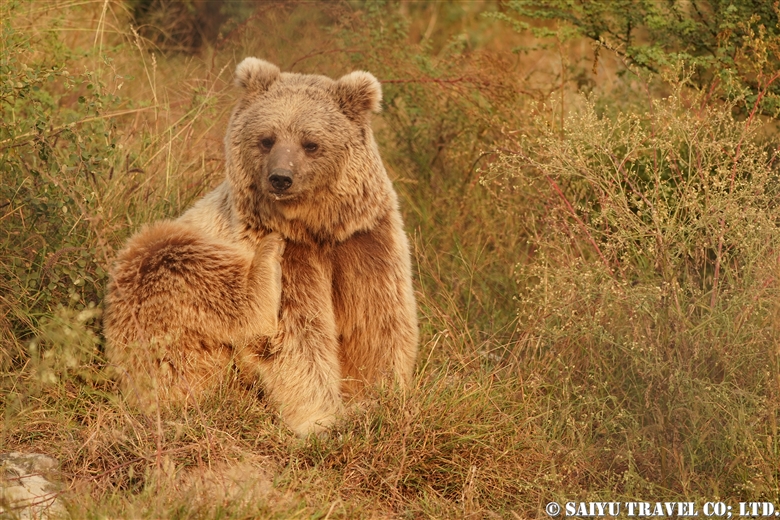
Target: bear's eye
x: 311, y: 147
x: 267, y: 142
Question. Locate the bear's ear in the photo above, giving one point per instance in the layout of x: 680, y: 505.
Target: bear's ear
x: 357, y: 93
x: 256, y: 75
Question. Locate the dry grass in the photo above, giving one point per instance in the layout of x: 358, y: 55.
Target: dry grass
x: 575, y: 345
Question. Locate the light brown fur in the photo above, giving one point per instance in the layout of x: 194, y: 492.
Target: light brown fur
x: 306, y: 198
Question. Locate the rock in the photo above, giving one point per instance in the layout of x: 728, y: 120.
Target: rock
x: 29, y: 487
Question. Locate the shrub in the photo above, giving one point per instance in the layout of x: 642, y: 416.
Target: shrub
x: 731, y: 47
x: 648, y: 294
x: 57, y: 150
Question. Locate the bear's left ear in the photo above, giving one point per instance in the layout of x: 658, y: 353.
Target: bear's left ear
x: 358, y: 93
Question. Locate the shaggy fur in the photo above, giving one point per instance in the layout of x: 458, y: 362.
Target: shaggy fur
x: 306, y: 199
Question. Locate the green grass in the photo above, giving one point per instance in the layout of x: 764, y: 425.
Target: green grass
x: 596, y: 279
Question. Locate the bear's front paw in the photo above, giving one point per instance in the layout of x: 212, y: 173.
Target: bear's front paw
x: 318, y: 425
x: 270, y: 251
x: 271, y: 245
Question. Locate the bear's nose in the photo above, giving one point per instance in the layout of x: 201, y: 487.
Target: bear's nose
x: 280, y: 179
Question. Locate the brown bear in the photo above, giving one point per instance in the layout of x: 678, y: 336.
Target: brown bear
x: 295, y: 270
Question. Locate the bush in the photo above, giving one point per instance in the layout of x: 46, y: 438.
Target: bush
x: 731, y: 47
x: 58, y: 149
x: 647, y: 301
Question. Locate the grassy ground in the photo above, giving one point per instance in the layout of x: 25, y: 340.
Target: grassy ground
x: 596, y: 275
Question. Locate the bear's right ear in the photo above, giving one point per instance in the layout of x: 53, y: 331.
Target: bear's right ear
x: 255, y: 75
x: 358, y: 93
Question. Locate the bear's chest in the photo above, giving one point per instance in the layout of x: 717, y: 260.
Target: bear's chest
x: 335, y: 280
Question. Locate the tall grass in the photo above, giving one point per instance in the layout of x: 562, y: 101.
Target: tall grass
x: 597, y: 293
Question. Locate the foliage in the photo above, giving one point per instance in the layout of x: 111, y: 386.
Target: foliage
x: 732, y: 45
x: 650, y: 290
x: 57, y: 148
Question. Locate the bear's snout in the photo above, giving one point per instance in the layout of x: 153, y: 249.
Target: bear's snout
x: 280, y: 179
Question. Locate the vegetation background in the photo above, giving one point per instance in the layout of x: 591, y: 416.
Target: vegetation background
x: 591, y: 189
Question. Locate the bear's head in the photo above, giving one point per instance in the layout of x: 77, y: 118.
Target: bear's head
x: 301, y: 157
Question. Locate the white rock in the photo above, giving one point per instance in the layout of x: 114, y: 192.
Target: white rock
x: 29, y: 489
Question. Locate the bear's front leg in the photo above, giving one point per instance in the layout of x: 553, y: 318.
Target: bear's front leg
x: 301, y: 374
x: 376, y: 313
